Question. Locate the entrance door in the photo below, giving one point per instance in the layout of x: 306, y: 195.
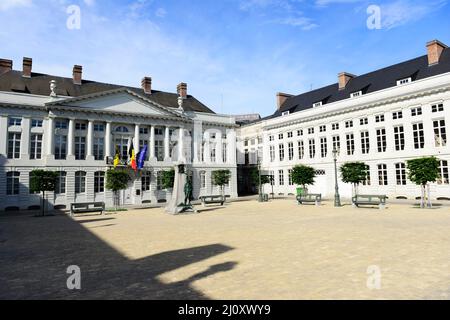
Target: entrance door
x: 126, y: 196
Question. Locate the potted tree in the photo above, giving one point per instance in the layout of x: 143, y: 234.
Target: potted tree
x: 354, y: 173
x: 221, y: 178
x: 168, y: 179
x: 116, y: 181
x: 42, y: 181
x: 303, y: 176
x: 259, y: 180
x: 422, y: 171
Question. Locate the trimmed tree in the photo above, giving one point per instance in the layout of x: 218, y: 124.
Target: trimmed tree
x: 221, y: 178
x: 422, y: 171
x: 116, y: 181
x: 168, y: 179
x: 354, y: 173
x: 42, y: 181
x: 255, y: 177
x: 303, y: 176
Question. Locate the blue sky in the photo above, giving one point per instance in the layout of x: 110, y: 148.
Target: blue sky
x: 235, y: 55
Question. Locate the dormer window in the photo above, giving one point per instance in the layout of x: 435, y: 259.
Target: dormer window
x: 317, y: 104
x: 404, y: 81
x: 286, y: 113
x: 356, y: 94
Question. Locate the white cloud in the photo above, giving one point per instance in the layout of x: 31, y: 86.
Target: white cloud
x: 324, y: 3
x: 89, y: 3
x: 9, y: 4
x: 161, y: 13
x: 401, y: 12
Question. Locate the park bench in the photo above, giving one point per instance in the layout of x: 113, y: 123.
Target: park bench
x: 213, y: 200
x: 310, y: 198
x: 370, y: 200
x: 87, y: 207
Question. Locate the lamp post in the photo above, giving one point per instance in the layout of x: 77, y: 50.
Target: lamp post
x: 260, y: 198
x: 337, y: 197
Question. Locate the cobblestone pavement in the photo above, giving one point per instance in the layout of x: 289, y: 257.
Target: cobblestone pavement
x: 246, y: 250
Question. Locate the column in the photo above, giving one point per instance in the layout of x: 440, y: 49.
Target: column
x: 70, y: 138
x: 197, y: 140
x: 167, y: 144
x: 108, y: 140
x: 231, y: 154
x: 4, y: 134
x: 137, y: 129
x: 207, y: 148
x: 152, y: 144
x: 51, y: 138
x: 90, y: 141
x: 219, y: 153
x: 25, y: 143
x: 181, y: 156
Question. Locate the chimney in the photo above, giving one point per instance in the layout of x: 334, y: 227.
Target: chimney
x: 344, y: 78
x: 281, y: 99
x: 5, y: 66
x: 435, y: 49
x: 147, y: 85
x: 27, y: 66
x: 182, y: 90
x: 77, y: 74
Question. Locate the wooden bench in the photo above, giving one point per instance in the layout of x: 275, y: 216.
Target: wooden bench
x: 87, y: 207
x: 370, y: 200
x: 310, y: 198
x: 213, y: 200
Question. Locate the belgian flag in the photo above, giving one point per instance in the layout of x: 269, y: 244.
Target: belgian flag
x: 132, y: 154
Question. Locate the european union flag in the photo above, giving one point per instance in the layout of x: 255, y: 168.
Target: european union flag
x: 142, y: 156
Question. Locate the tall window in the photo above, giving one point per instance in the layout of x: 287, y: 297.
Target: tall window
x: 350, y: 137
x: 159, y: 150
x: 99, y: 148
x: 99, y: 182
x: 212, y: 153
x: 399, y: 137
x: 440, y: 135
x: 312, y: 148
x: 291, y: 183
x: 301, y: 150
x: 382, y: 175
x: 14, y: 145
x: 336, y: 143
x: 281, y: 177
x: 400, y: 173
x: 80, y: 182
x: 381, y: 140
x: 61, y: 183
x: 365, y: 143
x: 272, y: 153
x: 80, y: 148
x: 367, y: 182
x: 281, y: 151
x: 202, y: 179
x: 60, y: 147
x: 291, y: 151
x: 323, y: 147
x: 419, y: 137
x: 12, y: 183
x: 36, y: 146
x: 225, y: 150
x: 443, y: 172
x: 146, y: 181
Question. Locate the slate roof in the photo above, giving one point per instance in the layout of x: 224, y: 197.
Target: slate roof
x: 417, y: 69
x: 39, y: 84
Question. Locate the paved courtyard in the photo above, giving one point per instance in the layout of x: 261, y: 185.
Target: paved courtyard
x: 246, y: 250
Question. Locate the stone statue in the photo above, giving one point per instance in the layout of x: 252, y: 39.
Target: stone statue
x: 188, y: 192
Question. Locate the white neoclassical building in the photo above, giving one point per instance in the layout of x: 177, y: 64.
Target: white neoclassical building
x: 382, y: 118
x: 74, y: 127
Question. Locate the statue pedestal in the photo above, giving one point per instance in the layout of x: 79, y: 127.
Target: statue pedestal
x: 176, y: 205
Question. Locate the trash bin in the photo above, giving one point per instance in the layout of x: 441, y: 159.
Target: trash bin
x: 300, y: 191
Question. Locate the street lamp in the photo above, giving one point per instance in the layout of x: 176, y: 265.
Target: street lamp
x: 261, y: 196
x: 337, y: 197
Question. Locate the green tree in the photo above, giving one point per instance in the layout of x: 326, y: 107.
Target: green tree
x: 168, y: 179
x: 354, y: 173
x: 221, y: 178
x: 42, y: 181
x: 422, y: 171
x: 303, y: 176
x: 255, y: 176
x: 117, y: 180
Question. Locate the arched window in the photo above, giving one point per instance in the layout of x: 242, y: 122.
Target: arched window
x: 99, y: 182
x: 80, y: 182
x: 122, y: 129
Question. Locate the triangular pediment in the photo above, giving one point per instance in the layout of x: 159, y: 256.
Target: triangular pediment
x: 118, y: 101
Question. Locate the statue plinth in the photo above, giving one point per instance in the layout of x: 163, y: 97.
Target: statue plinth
x: 182, y: 193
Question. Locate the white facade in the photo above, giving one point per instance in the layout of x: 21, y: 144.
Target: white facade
x: 75, y: 136
x: 390, y: 142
